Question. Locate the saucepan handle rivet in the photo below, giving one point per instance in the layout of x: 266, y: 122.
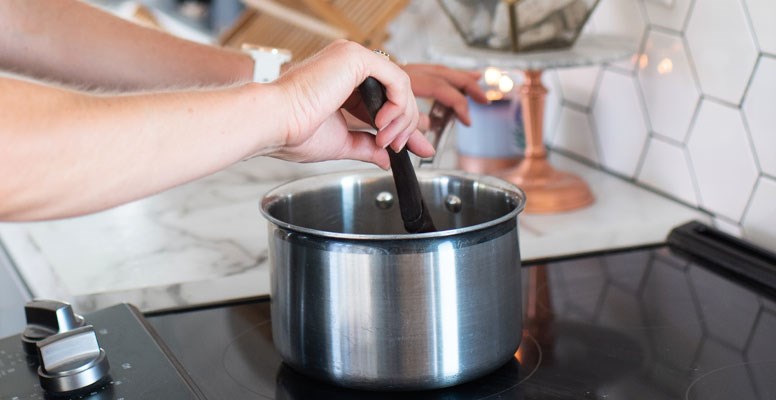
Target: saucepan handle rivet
x: 453, y: 203
x: 384, y: 200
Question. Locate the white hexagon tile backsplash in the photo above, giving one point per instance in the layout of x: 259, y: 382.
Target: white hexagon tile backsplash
x: 670, y: 92
x: 672, y: 17
x: 575, y: 134
x: 666, y: 168
x: 618, y: 116
x: 625, y: 18
x: 762, y: 14
x: 723, y: 48
x: 578, y: 84
x: 722, y: 158
x: 692, y: 116
x: 759, y: 107
x: 706, y: 131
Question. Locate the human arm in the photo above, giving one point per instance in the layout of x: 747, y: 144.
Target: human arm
x: 65, y: 153
x: 72, y: 42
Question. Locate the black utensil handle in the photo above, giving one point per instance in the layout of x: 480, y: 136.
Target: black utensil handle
x: 414, y: 212
x: 373, y: 95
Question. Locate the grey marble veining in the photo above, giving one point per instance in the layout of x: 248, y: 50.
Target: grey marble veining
x: 206, y: 241
x: 200, y: 242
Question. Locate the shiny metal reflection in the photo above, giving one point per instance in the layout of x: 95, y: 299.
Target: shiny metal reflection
x: 384, y: 200
x: 359, y: 303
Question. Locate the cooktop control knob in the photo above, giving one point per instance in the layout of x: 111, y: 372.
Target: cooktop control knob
x: 71, y: 361
x: 46, y: 318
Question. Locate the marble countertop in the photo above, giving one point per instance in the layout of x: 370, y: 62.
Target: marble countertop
x: 206, y: 241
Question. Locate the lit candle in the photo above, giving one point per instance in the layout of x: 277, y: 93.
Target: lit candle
x: 493, y: 132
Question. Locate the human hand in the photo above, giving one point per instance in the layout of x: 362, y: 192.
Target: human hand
x: 448, y: 86
x: 317, y: 90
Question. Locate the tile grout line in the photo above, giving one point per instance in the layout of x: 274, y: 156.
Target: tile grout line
x: 750, y: 200
x: 750, y: 25
x: 667, y: 140
x: 693, y: 119
x: 591, y: 120
x: 691, y: 64
x: 643, y: 157
x: 749, y: 81
x: 693, y: 177
x: 745, y: 121
x: 690, y: 11
x: 727, y: 219
x: 721, y: 102
x: 665, y: 31
x: 575, y: 106
x: 644, y: 111
x: 596, y: 146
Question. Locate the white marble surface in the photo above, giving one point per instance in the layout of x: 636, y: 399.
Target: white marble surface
x: 206, y: 241
x: 588, y: 50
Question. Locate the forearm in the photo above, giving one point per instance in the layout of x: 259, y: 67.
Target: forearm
x: 73, y: 42
x: 67, y: 153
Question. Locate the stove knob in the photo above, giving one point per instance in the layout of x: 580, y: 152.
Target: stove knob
x: 71, y: 360
x: 46, y: 318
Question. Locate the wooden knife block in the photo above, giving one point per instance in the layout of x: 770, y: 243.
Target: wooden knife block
x: 306, y: 26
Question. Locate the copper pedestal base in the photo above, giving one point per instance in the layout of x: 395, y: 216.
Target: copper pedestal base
x: 547, y: 189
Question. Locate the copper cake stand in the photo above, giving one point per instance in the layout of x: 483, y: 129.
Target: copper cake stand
x: 547, y: 189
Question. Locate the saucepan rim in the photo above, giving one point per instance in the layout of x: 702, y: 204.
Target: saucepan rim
x: 289, y: 188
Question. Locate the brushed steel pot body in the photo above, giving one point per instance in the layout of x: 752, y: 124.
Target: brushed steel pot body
x: 359, y: 303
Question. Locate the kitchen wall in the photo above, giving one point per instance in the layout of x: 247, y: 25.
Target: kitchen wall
x: 692, y: 116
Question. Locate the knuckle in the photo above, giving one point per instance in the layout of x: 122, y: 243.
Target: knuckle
x: 438, y: 69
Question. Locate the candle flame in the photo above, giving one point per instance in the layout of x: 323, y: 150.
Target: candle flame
x: 493, y: 95
x: 505, y: 84
x: 492, y: 76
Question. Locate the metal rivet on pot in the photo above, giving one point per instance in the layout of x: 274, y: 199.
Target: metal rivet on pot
x: 384, y: 200
x: 453, y: 203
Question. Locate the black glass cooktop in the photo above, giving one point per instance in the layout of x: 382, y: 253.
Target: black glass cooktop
x: 654, y: 323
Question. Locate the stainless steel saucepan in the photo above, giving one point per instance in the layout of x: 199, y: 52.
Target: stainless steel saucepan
x: 358, y: 302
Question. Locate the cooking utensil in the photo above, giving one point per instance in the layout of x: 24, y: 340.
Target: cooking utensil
x: 414, y: 212
x: 359, y: 303
x: 441, y: 120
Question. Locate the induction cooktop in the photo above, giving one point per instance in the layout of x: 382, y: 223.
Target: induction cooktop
x: 692, y: 319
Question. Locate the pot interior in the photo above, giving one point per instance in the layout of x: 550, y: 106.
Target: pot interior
x: 365, y: 203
